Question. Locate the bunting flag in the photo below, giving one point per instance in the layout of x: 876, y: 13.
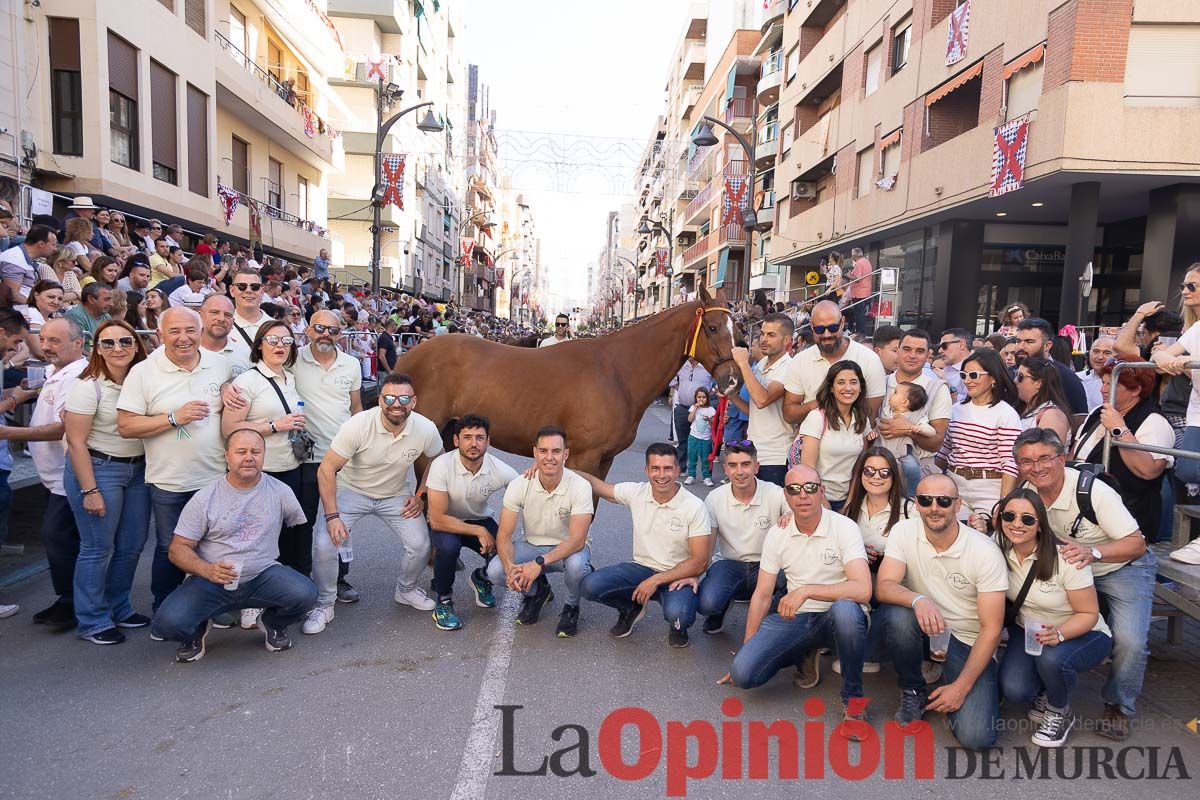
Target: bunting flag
x: 956, y: 34
x: 468, y: 248
x: 734, y: 200
x: 230, y: 198
x: 375, y: 65
x: 661, y: 257
x: 630, y: 285
x: 392, y: 180
x: 1008, y: 156
x: 500, y: 277
x: 310, y: 122
x: 255, y: 224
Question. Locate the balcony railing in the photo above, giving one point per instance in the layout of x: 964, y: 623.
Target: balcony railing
x: 736, y: 168
x: 739, y: 108
x: 289, y: 96
x: 698, y: 250
x: 733, y: 233
x: 277, y: 213
x: 769, y: 132
x: 772, y: 64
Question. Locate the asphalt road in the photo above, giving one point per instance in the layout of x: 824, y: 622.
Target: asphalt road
x: 383, y: 705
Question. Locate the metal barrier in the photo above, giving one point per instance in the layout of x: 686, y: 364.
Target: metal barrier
x: 1110, y: 443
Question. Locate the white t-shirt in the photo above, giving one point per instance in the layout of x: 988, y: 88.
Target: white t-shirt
x: 702, y: 423
x: 378, y: 462
x: 468, y: 492
x: 809, y: 367
x: 546, y: 515
x: 661, y: 531
x: 741, y: 527
x: 839, y: 449
x: 771, y: 433
x: 50, y: 458
x: 1191, y: 344
x: 102, y: 408
x: 1154, y: 430
x: 819, y: 559
x: 871, y: 526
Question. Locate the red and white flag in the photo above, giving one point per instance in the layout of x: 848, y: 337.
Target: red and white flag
x: 1008, y: 156
x: 956, y: 35
x: 392, y: 180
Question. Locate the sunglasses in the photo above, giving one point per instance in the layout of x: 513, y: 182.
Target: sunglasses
x: 253, y: 287
x: 819, y: 329
x: 332, y: 330
x: 392, y: 399
x: 1188, y: 287
x: 973, y: 375
x: 560, y: 324
x: 111, y: 344
x: 797, y: 489
x: 882, y: 472
x: 948, y: 342
x: 156, y: 227
x: 1028, y: 520
x: 274, y: 340
x: 927, y: 500
x: 742, y: 443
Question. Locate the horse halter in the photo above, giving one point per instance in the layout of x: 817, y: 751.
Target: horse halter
x: 690, y: 350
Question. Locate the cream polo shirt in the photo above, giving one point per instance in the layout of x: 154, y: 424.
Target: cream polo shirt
x: 871, y: 525
x: 237, y: 353
x: 1047, y: 601
x: 1115, y: 521
x: 326, y: 394
x: 661, y: 531
x: 771, y: 433
x: 256, y: 390
x: 741, y: 527
x: 50, y: 458
x: 546, y: 515
x: 188, y: 458
x: 378, y: 463
x: 468, y: 492
x: 953, y: 579
x: 808, y: 369
x: 250, y: 328
x: 817, y: 560
x: 938, y: 404
x: 101, y: 406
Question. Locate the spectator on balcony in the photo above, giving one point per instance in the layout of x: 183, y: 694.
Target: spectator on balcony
x: 321, y: 266
x: 83, y: 208
x: 858, y: 291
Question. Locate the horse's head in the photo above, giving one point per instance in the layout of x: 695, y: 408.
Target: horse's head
x: 712, y: 339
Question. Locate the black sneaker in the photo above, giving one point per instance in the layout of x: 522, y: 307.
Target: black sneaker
x: 714, y: 623
x: 107, y: 636
x: 134, y: 621
x: 276, y: 639
x: 568, y: 622
x: 677, y: 638
x: 347, y: 593
x: 194, y: 650
x: 626, y: 620
x: 912, y: 706
x: 59, y: 614
x: 531, y: 609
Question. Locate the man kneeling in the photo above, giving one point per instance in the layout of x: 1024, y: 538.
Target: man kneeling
x: 227, y: 540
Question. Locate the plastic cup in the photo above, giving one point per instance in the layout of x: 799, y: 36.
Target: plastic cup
x: 1032, y: 628
x: 233, y: 584
x: 938, y: 645
x: 346, y: 552
x: 35, y: 376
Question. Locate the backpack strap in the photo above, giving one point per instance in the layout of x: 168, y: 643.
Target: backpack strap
x: 239, y: 329
x: 1083, y: 499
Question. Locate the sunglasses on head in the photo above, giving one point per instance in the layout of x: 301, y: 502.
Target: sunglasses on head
x: 241, y: 287
x: 110, y: 344
x: 332, y: 330
x: 973, y: 375
x: 1028, y: 520
x: 797, y: 489
x: 882, y: 472
x: 834, y: 328
x: 927, y: 500
x: 392, y: 399
x: 1188, y: 287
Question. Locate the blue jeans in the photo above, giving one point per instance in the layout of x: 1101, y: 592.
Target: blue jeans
x: 574, y: 568
x: 910, y: 466
x: 165, y: 577
x: 61, y: 540
x: 446, y: 547
x: 780, y: 643
x: 5, y: 500
x: 1187, y: 470
x: 109, y: 546
x: 285, y: 594
x: 772, y: 473
x: 728, y: 580
x: 975, y: 722
x: 1126, y: 598
x: 679, y: 415
x: 697, y: 453
x: 613, y: 586
x: 1056, y: 670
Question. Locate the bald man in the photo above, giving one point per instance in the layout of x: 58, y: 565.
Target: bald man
x: 822, y: 556
x: 938, y: 574
x: 808, y: 368
x: 1102, y: 350
x: 173, y: 401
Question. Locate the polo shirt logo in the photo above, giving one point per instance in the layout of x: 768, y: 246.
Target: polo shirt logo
x: 563, y: 512
x: 675, y: 523
x: 410, y: 454
x: 211, y: 389
x: 958, y: 580
x: 1047, y: 587
x: 342, y: 382
x: 829, y: 557
x: 236, y: 369
x: 762, y: 523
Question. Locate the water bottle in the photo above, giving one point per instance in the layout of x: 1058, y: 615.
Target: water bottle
x: 294, y: 433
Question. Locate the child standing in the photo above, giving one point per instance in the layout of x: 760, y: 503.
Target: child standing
x: 700, y: 415
x: 907, y: 400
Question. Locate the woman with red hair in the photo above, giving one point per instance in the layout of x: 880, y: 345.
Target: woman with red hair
x: 1134, y: 417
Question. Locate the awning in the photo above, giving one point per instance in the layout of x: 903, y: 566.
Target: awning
x: 772, y: 37
x: 722, y: 267
x: 954, y: 83
x: 1030, y: 56
x: 891, y: 139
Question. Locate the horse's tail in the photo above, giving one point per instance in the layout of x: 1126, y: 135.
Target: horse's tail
x: 449, y: 430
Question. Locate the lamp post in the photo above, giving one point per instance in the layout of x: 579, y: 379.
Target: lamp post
x: 705, y: 137
x: 386, y: 93
x: 646, y: 229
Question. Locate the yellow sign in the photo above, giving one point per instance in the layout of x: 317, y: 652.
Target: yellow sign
x: 1194, y: 725
x: 812, y: 277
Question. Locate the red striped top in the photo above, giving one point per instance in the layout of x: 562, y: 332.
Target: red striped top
x: 982, y: 437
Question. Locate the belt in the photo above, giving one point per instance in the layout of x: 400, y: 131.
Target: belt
x: 116, y: 459
x: 974, y: 473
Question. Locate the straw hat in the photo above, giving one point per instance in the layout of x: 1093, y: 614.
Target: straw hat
x: 83, y: 201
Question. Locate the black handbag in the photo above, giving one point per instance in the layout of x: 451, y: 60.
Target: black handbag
x: 1013, y: 607
x: 303, y: 444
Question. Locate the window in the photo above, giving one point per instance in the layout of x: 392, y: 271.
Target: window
x: 890, y: 160
x: 274, y: 184
x: 302, y: 192
x: 866, y: 171
x: 275, y: 61
x: 193, y: 15
x: 1163, y: 65
x: 237, y: 31
x: 793, y: 64
x: 955, y: 108
x: 874, y: 63
x: 122, y: 102
x: 164, y: 132
x: 1022, y: 91
x: 241, y: 166
x: 66, y: 89
x: 901, y: 40
x: 197, y: 140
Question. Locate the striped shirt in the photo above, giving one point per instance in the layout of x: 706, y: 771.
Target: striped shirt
x: 982, y: 437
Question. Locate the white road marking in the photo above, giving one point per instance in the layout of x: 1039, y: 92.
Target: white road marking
x: 477, y: 757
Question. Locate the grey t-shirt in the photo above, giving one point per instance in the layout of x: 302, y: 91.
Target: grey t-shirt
x: 240, y: 524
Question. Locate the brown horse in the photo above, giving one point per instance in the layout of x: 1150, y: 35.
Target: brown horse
x: 595, y: 389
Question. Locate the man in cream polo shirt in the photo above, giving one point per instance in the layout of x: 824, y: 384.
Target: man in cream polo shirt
x: 365, y: 473
x: 555, y: 509
x: 808, y: 368
x: 939, y: 574
x: 740, y: 512
x: 672, y: 542
x: 458, y: 487
x: 246, y: 288
x: 829, y: 588
x: 216, y: 325
x: 771, y: 433
x: 173, y: 401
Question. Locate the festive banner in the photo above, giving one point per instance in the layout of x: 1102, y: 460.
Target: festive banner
x: 630, y: 285
x: 661, y: 257
x: 734, y: 200
x: 1008, y: 156
x: 392, y: 180
x: 310, y: 122
x: 230, y: 198
x: 255, y: 224
x: 956, y: 34
x: 468, y: 248
x: 375, y: 67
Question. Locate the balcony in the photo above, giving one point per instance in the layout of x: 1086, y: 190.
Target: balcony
x: 771, y: 76
x: 691, y: 95
x: 767, y: 146
x: 817, y: 13
x: 739, y: 112
x: 698, y: 251
x: 694, y: 59
x: 698, y: 207
x: 774, y: 12
x: 732, y: 234
x: 766, y: 213
x: 817, y: 143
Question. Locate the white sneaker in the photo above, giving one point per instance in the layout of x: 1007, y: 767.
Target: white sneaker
x: 7, y: 611
x: 250, y: 618
x: 317, y: 619
x: 415, y: 598
x: 690, y: 480
x: 1188, y: 554
x: 708, y: 482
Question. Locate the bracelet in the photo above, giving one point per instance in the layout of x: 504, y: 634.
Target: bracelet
x: 171, y: 419
x: 333, y: 516
x: 913, y: 604
x: 86, y: 492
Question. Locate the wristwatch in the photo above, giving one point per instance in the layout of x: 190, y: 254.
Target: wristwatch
x: 1096, y: 554
x: 1117, y: 433
x: 1061, y: 638
x: 541, y: 562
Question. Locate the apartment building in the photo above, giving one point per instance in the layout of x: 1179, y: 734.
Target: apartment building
x: 149, y: 106
x: 481, y: 187
x: 990, y: 152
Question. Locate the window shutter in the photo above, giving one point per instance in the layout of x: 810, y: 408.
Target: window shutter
x: 122, y: 66
x: 241, y: 166
x: 866, y: 171
x: 64, y: 44
x: 1024, y: 89
x: 164, y: 129
x: 1163, y: 64
x: 193, y: 15
x: 169, y: 5
x: 874, y: 69
x: 197, y: 140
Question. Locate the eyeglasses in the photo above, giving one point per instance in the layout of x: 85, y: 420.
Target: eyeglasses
x: 274, y: 340
x: 253, y: 287
x: 927, y: 500
x: 332, y: 330
x: 1030, y: 463
x: 973, y: 375
x: 125, y: 342
x: 882, y: 472
x: 948, y: 342
x: 819, y: 329
x: 797, y: 489
x: 1188, y: 287
x: 1021, y: 376
x: 392, y: 399
x: 1028, y: 520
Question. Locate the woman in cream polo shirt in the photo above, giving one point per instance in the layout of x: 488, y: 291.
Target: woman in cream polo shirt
x: 1062, y: 598
x: 836, y: 431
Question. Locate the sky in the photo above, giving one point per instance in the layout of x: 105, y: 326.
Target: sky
x: 582, y: 69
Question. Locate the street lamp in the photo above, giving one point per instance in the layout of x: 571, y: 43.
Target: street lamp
x: 645, y: 229
x: 470, y: 219
x: 633, y: 266
x: 706, y: 137
x: 386, y: 93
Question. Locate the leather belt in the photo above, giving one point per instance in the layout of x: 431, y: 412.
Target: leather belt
x: 974, y: 473
x: 116, y: 459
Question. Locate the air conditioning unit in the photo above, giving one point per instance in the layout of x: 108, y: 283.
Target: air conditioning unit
x: 803, y: 190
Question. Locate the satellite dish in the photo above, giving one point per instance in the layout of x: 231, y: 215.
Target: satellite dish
x: 1085, y: 281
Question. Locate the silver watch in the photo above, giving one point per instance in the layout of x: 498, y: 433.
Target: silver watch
x: 1096, y: 554
x: 1118, y: 432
